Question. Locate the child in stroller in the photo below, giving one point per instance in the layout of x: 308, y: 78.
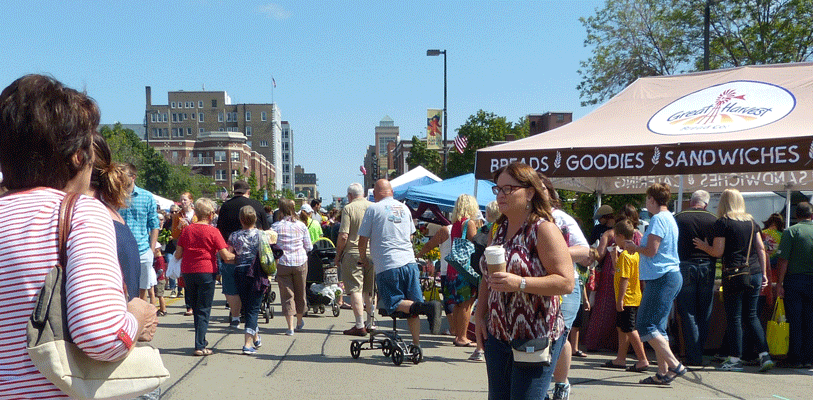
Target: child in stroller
x: 321, y: 283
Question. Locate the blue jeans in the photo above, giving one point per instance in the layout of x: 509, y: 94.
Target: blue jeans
x: 250, y: 298
x: 694, y: 305
x: 200, y: 289
x: 571, y: 304
x: 656, y: 303
x: 505, y: 381
x: 741, y: 307
x: 799, y: 311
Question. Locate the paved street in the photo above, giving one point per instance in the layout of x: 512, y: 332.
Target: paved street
x: 316, y: 364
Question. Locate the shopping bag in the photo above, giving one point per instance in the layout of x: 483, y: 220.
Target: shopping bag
x: 778, y: 335
x: 173, y: 268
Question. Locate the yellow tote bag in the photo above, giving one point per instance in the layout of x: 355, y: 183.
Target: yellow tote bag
x: 778, y: 334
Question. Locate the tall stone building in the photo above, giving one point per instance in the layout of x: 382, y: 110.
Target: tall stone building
x: 287, y: 166
x: 204, y: 130
x: 385, y: 133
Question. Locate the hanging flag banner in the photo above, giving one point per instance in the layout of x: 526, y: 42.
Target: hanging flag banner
x: 434, y: 128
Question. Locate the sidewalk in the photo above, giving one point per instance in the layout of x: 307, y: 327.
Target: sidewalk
x: 316, y: 364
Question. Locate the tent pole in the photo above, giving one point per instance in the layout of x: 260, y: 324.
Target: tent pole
x: 787, y: 206
x: 679, y: 207
x: 475, y: 188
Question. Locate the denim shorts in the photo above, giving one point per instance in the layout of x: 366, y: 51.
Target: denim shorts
x: 228, y: 278
x: 571, y: 304
x: 656, y: 303
x: 398, y: 284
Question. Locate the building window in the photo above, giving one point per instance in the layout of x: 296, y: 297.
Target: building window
x: 172, y: 105
x: 220, y: 117
x: 235, y: 156
x: 166, y: 132
x: 285, y: 146
x: 263, y: 143
x: 286, y: 168
x: 286, y: 157
x: 154, y: 132
x: 248, y: 143
x: 248, y: 116
x: 200, y: 103
x: 185, y: 116
x: 174, y: 117
x: 164, y: 117
x: 560, y: 117
x: 194, y: 115
x: 220, y: 175
x: 152, y: 117
x: 234, y: 173
x: 201, y: 130
x: 285, y: 134
x: 264, y: 116
x: 188, y: 131
x: 248, y: 131
x: 190, y: 104
x: 174, y: 156
x: 214, y: 103
x: 174, y: 132
x: 200, y: 117
x: 220, y: 156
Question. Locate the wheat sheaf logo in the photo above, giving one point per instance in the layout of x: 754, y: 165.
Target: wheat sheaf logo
x: 557, y: 162
x: 729, y: 107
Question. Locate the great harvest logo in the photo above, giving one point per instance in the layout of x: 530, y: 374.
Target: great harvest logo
x: 728, y: 107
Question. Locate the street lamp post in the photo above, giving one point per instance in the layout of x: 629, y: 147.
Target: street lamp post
x: 445, y: 115
x: 706, y: 23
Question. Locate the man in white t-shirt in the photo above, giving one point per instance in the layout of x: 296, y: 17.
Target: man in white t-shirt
x: 387, y: 227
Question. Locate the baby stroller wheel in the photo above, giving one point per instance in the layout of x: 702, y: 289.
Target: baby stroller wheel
x: 273, y: 296
x: 267, y: 314
x: 355, y: 349
x: 336, y: 310
x: 417, y: 354
x: 397, y: 355
x: 321, y: 309
x: 386, y: 347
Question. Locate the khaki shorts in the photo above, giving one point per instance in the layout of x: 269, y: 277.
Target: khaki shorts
x: 354, y: 277
x: 159, y: 288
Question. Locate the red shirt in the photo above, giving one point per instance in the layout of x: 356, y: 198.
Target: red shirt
x: 200, y: 244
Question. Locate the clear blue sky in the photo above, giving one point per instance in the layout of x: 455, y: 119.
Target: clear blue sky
x: 340, y: 66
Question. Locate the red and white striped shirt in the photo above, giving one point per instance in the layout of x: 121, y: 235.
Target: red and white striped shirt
x: 97, y: 309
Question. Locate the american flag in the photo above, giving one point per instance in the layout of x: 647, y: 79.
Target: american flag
x: 460, y: 143
x: 363, y: 170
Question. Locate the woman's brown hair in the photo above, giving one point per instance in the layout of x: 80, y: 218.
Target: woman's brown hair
x: 109, y: 179
x: 527, y: 176
x: 286, y: 208
x: 659, y: 192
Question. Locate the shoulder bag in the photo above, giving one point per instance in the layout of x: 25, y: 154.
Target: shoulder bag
x: 460, y: 257
x: 738, y: 278
x: 65, y: 365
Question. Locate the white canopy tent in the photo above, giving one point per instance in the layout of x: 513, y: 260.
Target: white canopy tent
x: 747, y: 128
x: 415, y: 174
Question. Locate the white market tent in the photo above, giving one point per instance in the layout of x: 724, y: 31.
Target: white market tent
x: 747, y: 128
x: 164, y: 203
x: 413, y: 177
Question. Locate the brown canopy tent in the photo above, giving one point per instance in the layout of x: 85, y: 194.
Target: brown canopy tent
x: 748, y: 128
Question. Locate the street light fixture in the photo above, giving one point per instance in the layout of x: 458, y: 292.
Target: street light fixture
x: 432, y: 53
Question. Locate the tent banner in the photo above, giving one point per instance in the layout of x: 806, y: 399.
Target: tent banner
x: 434, y: 128
x: 776, y: 154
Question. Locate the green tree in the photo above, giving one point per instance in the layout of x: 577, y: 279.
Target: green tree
x: 638, y: 38
x: 482, y: 130
x: 420, y: 155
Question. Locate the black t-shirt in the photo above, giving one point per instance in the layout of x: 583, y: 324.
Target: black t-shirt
x: 694, y: 223
x: 228, y: 218
x: 736, y: 234
x: 598, y: 230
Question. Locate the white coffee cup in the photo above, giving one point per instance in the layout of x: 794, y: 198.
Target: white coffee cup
x: 495, y: 259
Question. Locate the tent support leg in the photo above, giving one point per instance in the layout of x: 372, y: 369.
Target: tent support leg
x: 787, y: 206
x: 679, y: 206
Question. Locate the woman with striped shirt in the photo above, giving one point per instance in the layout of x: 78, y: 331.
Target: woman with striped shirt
x: 46, y: 138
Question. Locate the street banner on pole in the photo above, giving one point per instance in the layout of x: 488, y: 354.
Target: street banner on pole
x: 434, y: 128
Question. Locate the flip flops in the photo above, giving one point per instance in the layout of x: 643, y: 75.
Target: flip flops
x: 611, y: 364
x: 580, y: 354
x: 469, y: 344
x: 201, y: 352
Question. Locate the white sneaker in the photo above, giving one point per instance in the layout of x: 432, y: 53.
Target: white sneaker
x: 561, y: 391
x: 477, y: 356
x: 729, y: 365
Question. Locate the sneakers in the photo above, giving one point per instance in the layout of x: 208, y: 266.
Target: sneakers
x: 289, y: 332
x: 765, y: 363
x: 235, y: 323
x: 258, y: 343
x: 300, y: 326
x: 729, y: 365
x: 477, y: 356
x: 355, y: 331
x: 249, y: 351
x: 432, y: 310
x: 561, y: 391
x: 173, y: 294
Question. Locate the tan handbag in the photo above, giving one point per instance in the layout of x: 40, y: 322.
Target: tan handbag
x: 64, y: 364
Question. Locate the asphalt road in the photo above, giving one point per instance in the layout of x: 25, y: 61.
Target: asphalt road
x: 316, y: 364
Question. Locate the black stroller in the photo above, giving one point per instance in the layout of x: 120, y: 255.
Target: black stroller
x: 321, y: 271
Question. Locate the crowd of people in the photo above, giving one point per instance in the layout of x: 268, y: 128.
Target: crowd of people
x: 527, y: 317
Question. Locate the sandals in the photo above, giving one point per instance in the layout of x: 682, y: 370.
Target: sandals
x: 469, y: 344
x: 611, y: 364
x: 679, y: 370
x: 635, y: 368
x: 580, y: 354
x: 658, y: 379
x: 161, y: 313
x: 188, y: 313
x: 201, y: 352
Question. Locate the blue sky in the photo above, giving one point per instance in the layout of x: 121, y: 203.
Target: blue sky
x: 340, y: 66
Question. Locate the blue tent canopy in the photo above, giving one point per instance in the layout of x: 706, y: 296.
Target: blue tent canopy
x: 445, y: 193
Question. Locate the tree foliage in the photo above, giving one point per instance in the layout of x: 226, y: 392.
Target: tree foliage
x: 420, y: 155
x: 155, y: 173
x: 482, y: 130
x: 638, y: 38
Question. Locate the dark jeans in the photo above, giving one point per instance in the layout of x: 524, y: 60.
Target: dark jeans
x: 694, y: 305
x: 741, y: 309
x: 200, y: 289
x: 799, y: 311
x: 250, y: 298
x: 505, y: 381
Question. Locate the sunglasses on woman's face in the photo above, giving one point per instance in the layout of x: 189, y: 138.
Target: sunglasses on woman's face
x: 506, y: 189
